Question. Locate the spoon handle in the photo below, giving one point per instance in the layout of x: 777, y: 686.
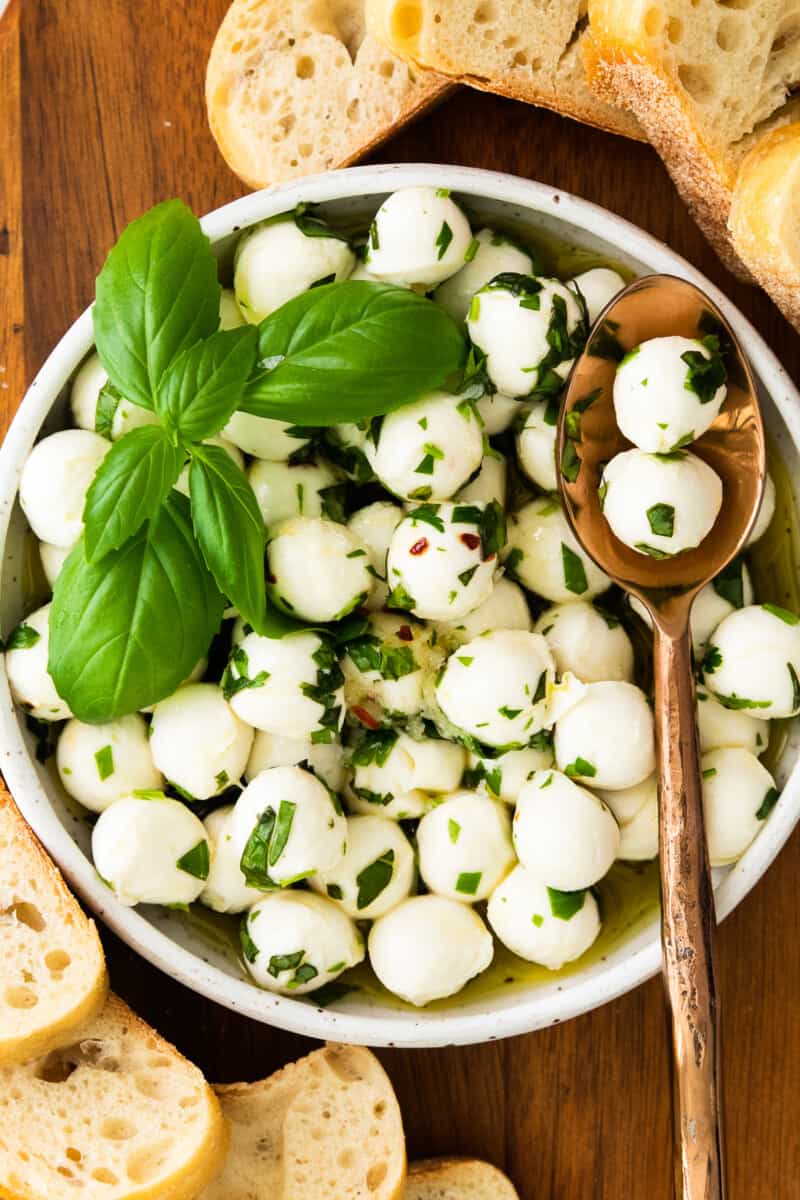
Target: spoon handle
x: 687, y: 928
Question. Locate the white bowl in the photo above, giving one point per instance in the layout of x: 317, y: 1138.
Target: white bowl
x: 161, y: 936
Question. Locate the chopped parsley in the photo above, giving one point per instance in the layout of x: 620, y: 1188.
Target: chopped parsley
x: 468, y: 882
x: 661, y: 518
x: 651, y: 551
x: 104, y: 760
x: 729, y: 584
x: 375, y: 747
x: 429, y: 514
x: 453, y: 830
x: 783, y: 614
x: 196, y: 861
x: 767, y: 804
x: 581, y: 769
x: 443, y: 240
x: 706, y: 375
x: 564, y: 905
x: 233, y: 683
x: 509, y: 713
x: 249, y: 948
x: 574, y: 571
x: 374, y: 879
x: 23, y: 637
x: 471, y: 250
x: 334, y: 891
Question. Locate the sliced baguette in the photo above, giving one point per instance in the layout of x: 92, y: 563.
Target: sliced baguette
x: 298, y: 86
x: 325, y: 1128
x: 527, y: 49
x: 118, y: 1114
x: 457, y: 1179
x: 53, y: 977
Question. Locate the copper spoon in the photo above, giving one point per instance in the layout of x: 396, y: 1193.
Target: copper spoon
x: 656, y: 306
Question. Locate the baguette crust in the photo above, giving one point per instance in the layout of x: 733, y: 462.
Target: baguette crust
x: 470, y: 1178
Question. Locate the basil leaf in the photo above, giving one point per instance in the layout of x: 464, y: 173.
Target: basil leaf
x: 126, y: 632
x: 157, y: 294
x: 345, y: 351
x: 230, y: 529
x: 23, y: 637
x: 254, y: 861
x: 131, y: 482
x: 661, y: 518
x: 564, y: 905
x: 196, y: 861
x: 374, y: 879
x: 202, y: 388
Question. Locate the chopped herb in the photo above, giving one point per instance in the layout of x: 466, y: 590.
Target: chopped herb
x: 541, y: 688
x: 580, y: 768
x: 552, y: 410
x: 443, y: 193
x: 713, y: 660
x: 429, y: 513
x: 509, y: 713
x: 453, y: 829
x: 357, y: 554
x: 426, y: 466
x: 443, y: 240
x: 740, y: 703
x: 390, y: 662
x: 423, y: 422
x: 466, y: 576
x: 611, y: 621
x: 709, y: 773
x: 706, y: 375
x: 466, y: 660
x: 108, y: 402
x: 605, y: 344
x: 148, y: 794
x: 661, y: 518
x: 629, y: 357
x: 564, y: 905
x: 686, y: 440
x: 374, y: 879
x: 283, y: 827
x: 602, y: 492
x: 651, y: 551
x: 221, y: 779
x: 375, y: 747
x: 303, y: 974
x: 333, y: 503
x: 249, y: 948
x: 334, y: 891
x: 513, y: 560
x: 23, y: 637
x: 468, y: 882
x: 795, y: 688
x: 538, y: 920
x: 570, y: 462
x: 729, y: 584
x: 232, y: 683
x: 574, y: 571
x: 374, y: 240
x: 279, y: 963
x: 104, y: 759
x: 546, y: 783
x: 471, y: 250
x: 474, y: 308
x: 255, y: 857
x: 196, y: 861
x: 421, y: 493
x: 399, y: 597
x: 767, y: 804
x: 783, y: 614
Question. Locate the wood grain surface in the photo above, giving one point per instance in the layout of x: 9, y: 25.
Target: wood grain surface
x: 113, y: 121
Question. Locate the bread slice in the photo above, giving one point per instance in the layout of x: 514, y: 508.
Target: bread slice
x: 118, y: 1114
x: 53, y: 976
x: 526, y: 49
x: 298, y: 86
x: 457, y: 1179
x: 705, y: 79
x: 325, y: 1128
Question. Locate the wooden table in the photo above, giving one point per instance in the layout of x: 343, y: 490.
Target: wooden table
x: 113, y: 121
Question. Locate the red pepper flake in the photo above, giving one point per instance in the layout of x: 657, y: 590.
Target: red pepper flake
x: 366, y: 718
x: 405, y: 634
x: 419, y: 547
x: 271, y: 578
x: 471, y: 540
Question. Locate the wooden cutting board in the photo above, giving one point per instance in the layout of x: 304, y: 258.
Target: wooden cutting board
x: 113, y: 121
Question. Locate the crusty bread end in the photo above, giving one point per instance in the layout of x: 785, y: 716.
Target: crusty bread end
x: 457, y: 1179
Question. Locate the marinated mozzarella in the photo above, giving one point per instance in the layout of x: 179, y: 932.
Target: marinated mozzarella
x: 598, y: 286
x: 53, y: 559
x: 98, y: 764
x: 289, y: 686
x: 497, y: 412
x: 541, y: 924
x: 384, y: 664
x: 442, y: 559
x: 586, y: 641
x: 544, y: 556
x: 505, y: 608
x: 660, y: 505
x: 428, y: 947
x: 376, y: 873
x: 753, y: 661
x: 722, y: 596
x: 607, y: 738
x: 374, y: 525
x: 738, y: 795
x: 638, y: 838
x: 668, y: 391
x: 197, y: 741
x: 26, y: 668
x: 503, y: 776
x: 319, y: 569
x: 563, y: 834
x: 429, y: 449
x: 489, y: 254
x: 55, y: 478
x: 720, y: 726
x: 286, y: 490
x: 264, y: 437
x: 275, y: 261
x: 465, y: 847
x: 536, y: 444
x: 151, y: 850
x: 495, y: 688
x: 111, y: 417
x: 325, y: 759
x: 627, y: 803
x: 400, y: 776
x: 226, y: 889
x: 419, y: 235
x: 765, y: 513
x: 488, y: 485
x: 294, y: 942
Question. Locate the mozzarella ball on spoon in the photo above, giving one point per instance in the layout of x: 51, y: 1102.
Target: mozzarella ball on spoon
x: 738, y: 795
x: 26, y: 668
x: 376, y: 873
x: 374, y: 525
x: 536, y: 444
x: 151, y: 851
x: 233, y: 452
x: 197, y: 741
x: 295, y: 942
x: 428, y: 449
x: 122, y: 415
x: 465, y: 846
x: 765, y: 513
x: 226, y: 889
x: 489, y: 484
x: 289, y: 686
x: 660, y: 506
x: 495, y: 688
x: 489, y: 253
x: 753, y: 662
x: 720, y: 726
x: 497, y: 412
x: 418, y: 235
x: 541, y: 924
x: 230, y: 315
x: 53, y: 559
x: 325, y: 759
x: 563, y: 833
x: 607, y: 738
x: 384, y: 665
x: 55, y: 478
x: 505, y: 608
x: 99, y: 764
x: 503, y: 776
x: 722, y: 596
x: 598, y: 286
x: 264, y: 437
x: 319, y: 569
x: 591, y: 644
x: 544, y: 556
x: 399, y: 776
x: 283, y: 490
x: 429, y: 947
x: 276, y: 261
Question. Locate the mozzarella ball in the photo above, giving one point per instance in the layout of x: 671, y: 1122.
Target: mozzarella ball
x: 754, y: 661
x: 26, y: 668
x: 419, y: 235
x: 638, y: 838
x: 660, y: 401
x: 53, y: 559
x: 503, y: 777
x: 536, y: 444
x: 436, y: 565
x: 151, y: 851
x: 264, y: 437
x: 325, y: 759
x: 497, y: 412
x: 607, y: 738
x: 275, y: 262
x: 226, y: 889
x: 294, y: 942
x: 495, y: 688
x: 738, y: 795
x: 563, y: 833
x: 429, y: 947
x: 598, y: 286
x: 99, y: 764
x: 230, y: 315
x: 590, y: 644
x: 765, y: 513
x: 428, y: 449
x: 374, y: 525
x: 489, y: 484
x: 712, y: 604
x: 720, y: 726
x: 289, y: 686
x: 540, y: 924
x: 233, y: 452
x: 362, y: 271
x: 351, y: 446
x: 627, y: 803
x: 505, y: 608
x: 398, y: 776
x: 376, y: 873
x: 545, y: 557
x: 283, y: 490
x: 55, y: 479
x: 384, y: 665
x: 198, y: 742
x: 87, y: 385
x: 465, y: 847
x: 319, y: 569
x: 660, y: 506
x: 509, y: 320
x: 489, y: 254
x: 290, y: 826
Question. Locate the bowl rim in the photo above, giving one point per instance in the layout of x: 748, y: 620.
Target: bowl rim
x: 577, y: 995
